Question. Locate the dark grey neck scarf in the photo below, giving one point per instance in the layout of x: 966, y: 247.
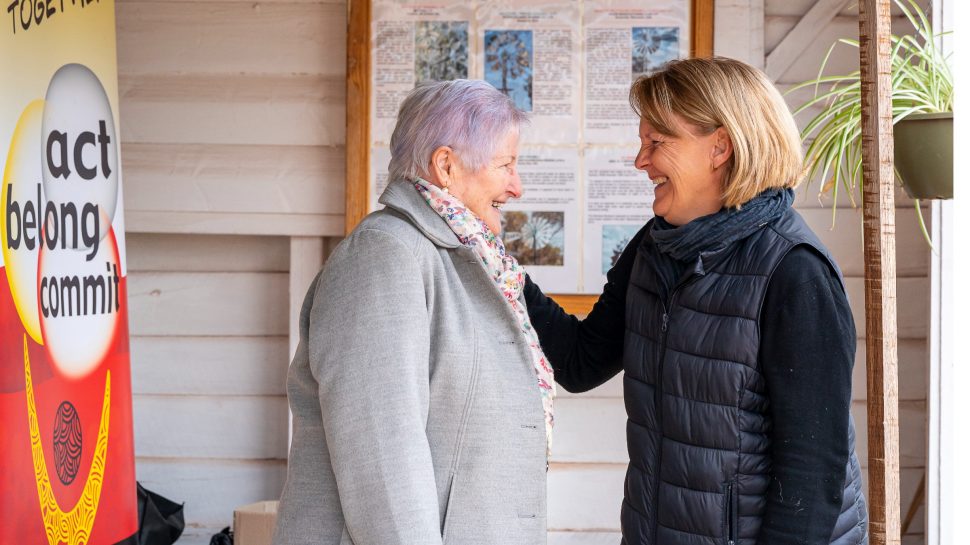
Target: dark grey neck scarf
x: 713, y: 232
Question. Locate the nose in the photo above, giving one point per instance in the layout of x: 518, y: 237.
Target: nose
x: 515, y: 186
x: 642, y: 160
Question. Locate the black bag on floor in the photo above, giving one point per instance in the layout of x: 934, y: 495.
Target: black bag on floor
x: 222, y: 538
x: 160, y: 520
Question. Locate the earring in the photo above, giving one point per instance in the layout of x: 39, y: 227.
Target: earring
x: 444, y: 187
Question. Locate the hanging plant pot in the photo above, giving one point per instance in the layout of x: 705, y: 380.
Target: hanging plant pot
x: 923, y: 154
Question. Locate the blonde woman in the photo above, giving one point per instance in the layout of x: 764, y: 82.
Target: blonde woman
x: 730, y: 321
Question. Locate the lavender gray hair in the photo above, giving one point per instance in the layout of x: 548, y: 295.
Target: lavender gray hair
x: 469, y: 116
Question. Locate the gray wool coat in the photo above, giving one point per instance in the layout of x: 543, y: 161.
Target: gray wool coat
x: 416, y: 414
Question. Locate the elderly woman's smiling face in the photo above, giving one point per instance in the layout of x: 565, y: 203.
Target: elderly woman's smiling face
x: 486, y: 190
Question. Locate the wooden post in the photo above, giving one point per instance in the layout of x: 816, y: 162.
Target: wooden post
x: 879, y: 227
x: 358, y: 111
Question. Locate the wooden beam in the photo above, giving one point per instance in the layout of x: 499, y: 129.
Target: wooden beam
x: 358, y: 107
x: 879, y: 235
x: 791, y: 47
x: 702, y: 18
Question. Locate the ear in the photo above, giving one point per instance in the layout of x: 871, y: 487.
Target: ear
x: 723, y: 148
x: 442, y: 168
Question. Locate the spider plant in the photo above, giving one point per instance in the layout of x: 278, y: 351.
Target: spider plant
x: 921, y: 83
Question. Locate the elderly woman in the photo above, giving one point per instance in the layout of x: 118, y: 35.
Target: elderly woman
x: 422, y: 403
x: 730, y: 321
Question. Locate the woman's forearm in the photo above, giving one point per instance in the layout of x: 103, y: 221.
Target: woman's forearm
x: 586, y: 353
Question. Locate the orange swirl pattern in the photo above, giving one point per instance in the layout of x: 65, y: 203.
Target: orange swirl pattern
x: 72, y: 527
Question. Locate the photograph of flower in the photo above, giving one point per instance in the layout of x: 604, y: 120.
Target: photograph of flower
x: 534, y: 238
x: 440, y: 51
x: 652, y: 47
x: 615, y: 239
x: 508, y: 64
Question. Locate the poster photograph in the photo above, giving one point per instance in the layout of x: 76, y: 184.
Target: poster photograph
x: 440, y: 51
x: 508, y: 65
x: 530, y: 52
x: 413, y: 43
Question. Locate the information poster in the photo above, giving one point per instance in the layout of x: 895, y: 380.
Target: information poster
x: 67, y: 470
x: 570, y: 64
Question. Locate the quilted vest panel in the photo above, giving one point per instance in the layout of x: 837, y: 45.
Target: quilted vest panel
x: 698, y: 428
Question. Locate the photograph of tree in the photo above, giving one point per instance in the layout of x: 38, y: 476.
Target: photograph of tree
x: 440, y: 51
x: 508, y: 64
x: 534, y: 238
x: 615, y: 239
x: 652, y: 47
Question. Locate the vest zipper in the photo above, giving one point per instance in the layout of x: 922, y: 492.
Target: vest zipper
x: 659, y: 387
x: 659, y: 407
x: 731, y: 514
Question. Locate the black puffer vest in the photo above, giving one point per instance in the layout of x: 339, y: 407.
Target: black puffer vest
x: 699, y: 428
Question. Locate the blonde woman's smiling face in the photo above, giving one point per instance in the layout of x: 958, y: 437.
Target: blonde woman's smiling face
x: 686, y: 169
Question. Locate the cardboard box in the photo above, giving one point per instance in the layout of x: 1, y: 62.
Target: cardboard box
x: 253, y: 524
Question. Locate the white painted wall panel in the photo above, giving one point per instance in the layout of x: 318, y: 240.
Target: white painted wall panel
x: 231, y: 38
x: 585, y: 497
x: 225, y: 304
x: 230, y: 178
x: 209, y: 366
x: 584, y: 538
x: 151, y: 252
x: 294, y: 110
x: 229, y: 223
x: 210, y: 414
x: 590, y: 431
x: 225, y: 427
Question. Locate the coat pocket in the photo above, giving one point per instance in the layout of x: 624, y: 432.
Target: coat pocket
x: 447, y: 520
x: 730, y: 522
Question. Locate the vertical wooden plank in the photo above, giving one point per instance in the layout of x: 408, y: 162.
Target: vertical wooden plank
x: 358, y: 111
x: 306, y: 258
x: 702, y: 18
x: 879, y: 229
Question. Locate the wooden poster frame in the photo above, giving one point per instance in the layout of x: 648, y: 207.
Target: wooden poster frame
x: 358, y: 114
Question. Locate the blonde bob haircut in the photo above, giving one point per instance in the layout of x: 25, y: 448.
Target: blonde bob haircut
x: 716, y: 92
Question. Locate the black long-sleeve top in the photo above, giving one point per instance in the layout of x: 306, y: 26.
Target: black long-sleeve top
x: 806, y: 356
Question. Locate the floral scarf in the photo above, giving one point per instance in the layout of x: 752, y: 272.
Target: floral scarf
x: 508, y: 275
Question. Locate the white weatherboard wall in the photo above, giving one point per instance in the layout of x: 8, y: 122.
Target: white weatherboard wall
x: 233, y: 155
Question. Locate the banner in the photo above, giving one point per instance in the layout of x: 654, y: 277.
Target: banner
x: 67, y: 470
